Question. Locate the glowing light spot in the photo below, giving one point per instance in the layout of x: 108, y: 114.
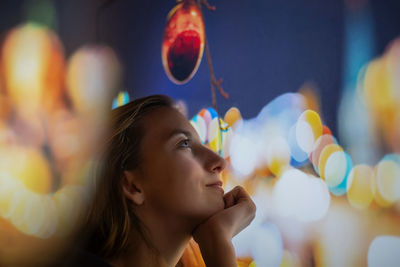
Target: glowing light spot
x: 340, y: 189
x: 359, y: 186
x: 384, y: 251
x: 199, y: 125
x: 255, y: 240
x: 243, y: 154
x: 207, y: 118
x: 326, y: 152
x: 388, y: 180
x: 308, y: 129
x: 278, y: 155
x: 299, y: 157
x: 319, y: 145
x: 300, y: 196
x: 33, y: 68
x: 243, y: 241
x: 214, y: 135
x: 232, y: 116
x: 213, y: 113
x: 335, y: 168
x: 121, y: 99
x: 93, y: 78
x: 377, y: 195
x: 267, y: 237
x: 315, y: 200
x: 375, y: 77
x: 32, y: 169
x: 304, y: 136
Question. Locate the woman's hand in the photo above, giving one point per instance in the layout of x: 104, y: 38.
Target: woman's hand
x: 215, y: 234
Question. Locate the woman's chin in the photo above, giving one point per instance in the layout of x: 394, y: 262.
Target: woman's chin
x: 217, y: 206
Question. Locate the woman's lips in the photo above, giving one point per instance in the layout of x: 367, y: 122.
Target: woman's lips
x: 217, y: 186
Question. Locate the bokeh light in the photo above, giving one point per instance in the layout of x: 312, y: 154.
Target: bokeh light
x: 278, y: 155
x: 93, y: 78
x: 243, y: 154
x: 299, y: 157
x: 199, y: 125
x: 319, y: 145
x: 33, y: 71
x: 51, y: 113
x: 32, y: 170
x: 308, y: 130
x: 121, y: 99
x: 48, y: 136
x: 336, y: 168
x: 301, y: 197
x: 232, y: 116
x: 359, y: 186
x: 341, y: 188
x: 384, y: 251
x: 388, y: 179
x: 261, y: 242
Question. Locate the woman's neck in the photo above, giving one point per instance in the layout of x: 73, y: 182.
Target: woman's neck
x: 168, y: 239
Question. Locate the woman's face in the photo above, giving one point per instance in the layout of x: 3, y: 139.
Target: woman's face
x: 179, y: 175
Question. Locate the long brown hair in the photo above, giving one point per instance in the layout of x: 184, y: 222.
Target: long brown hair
x: 110, y: 218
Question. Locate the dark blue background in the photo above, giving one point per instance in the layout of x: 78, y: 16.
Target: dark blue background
x: 260, y: 48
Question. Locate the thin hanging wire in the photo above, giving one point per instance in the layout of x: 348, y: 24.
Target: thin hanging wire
x: 213, y: 81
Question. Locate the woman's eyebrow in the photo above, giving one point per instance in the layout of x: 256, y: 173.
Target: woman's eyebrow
x: 179, y: 131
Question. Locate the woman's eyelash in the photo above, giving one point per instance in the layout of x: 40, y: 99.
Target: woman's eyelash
x: 185, y: 143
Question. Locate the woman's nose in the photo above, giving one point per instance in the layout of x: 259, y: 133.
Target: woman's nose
x: 214, y: 163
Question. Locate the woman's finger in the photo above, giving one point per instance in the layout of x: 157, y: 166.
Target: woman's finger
x: 235, y: 196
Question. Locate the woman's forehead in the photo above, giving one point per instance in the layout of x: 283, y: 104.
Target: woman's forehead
x: 164, y: 122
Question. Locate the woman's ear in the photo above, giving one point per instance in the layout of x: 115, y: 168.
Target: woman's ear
x: 132, y: 189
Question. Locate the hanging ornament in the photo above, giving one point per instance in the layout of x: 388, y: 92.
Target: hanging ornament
x: 183, y: 42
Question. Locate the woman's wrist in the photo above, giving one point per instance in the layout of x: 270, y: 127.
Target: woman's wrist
x: 217, y: 250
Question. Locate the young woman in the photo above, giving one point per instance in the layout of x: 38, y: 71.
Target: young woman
x: 158, y: 187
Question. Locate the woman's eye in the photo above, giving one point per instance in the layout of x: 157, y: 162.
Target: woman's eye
x: 185, y: 143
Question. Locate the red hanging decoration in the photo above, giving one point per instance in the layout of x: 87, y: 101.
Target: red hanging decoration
x: 183, y: 42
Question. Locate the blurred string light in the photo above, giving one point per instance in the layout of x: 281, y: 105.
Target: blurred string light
x: 281, y: 139
x: 50, y: 123
x: 384, y: 251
